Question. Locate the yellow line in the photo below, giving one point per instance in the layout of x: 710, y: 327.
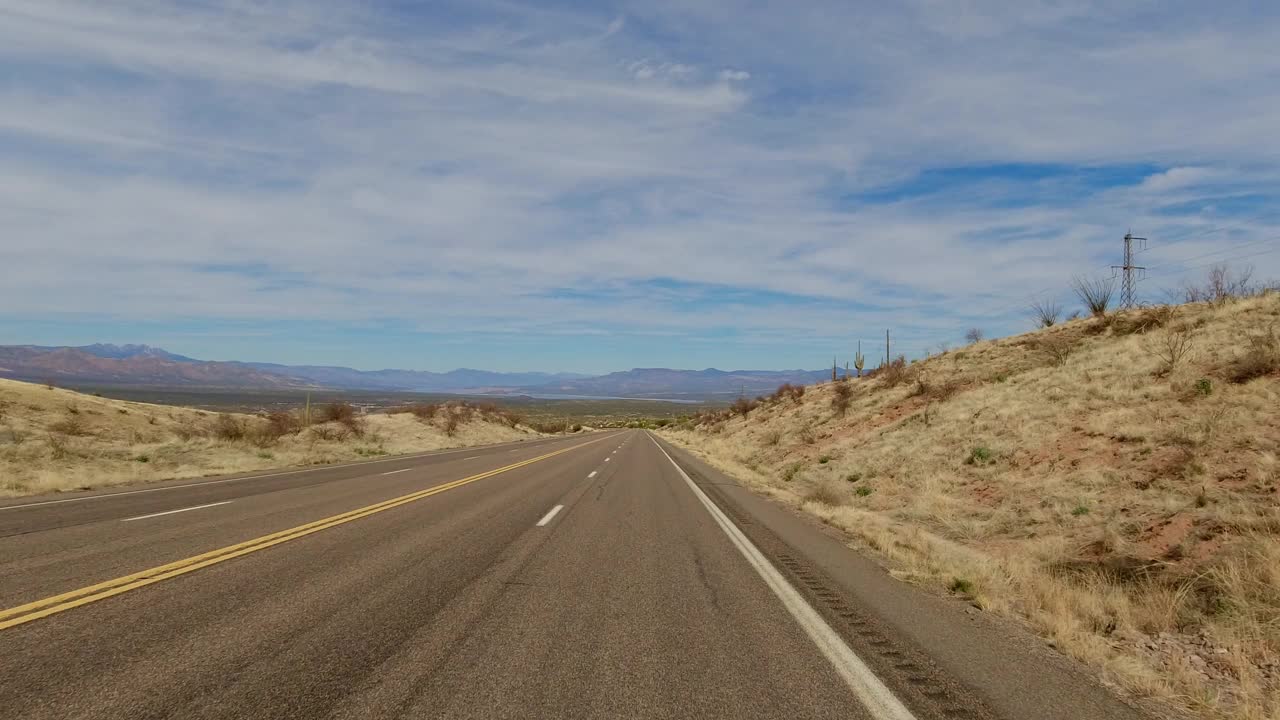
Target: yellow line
x: 75, y: 598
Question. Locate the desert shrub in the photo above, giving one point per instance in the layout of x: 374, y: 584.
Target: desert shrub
x: 790, y: 472
x: 1095, y: 293
x: 280, y: 423
x: 1045, y: 313
x: 787, y: 391
x: 423, y: 411
x: 827, y: 493
x: 773, y: 437
x: 549, y: 427
x: 337, y: 412
x: 973, y: 335
x: 330, y: 432
x: 229, y: 428
x: 1169, y: 348
x: 742, y: 406
x: 841, y: 394
x: 452, y: 420
x: 807, y: 436
x: 979, y: 455
x: 1056, y: 347
x: 895, y: 372
x: 345, y: 414
x: 863, y: 490
x: 1261, y: 357
x: 72, y: 424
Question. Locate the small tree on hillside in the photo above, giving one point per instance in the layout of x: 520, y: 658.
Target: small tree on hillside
x: 973, y: 335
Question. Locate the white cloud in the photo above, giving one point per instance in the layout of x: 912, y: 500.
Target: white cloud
x: 527, y: 172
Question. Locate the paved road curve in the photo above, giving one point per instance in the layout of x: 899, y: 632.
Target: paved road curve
x: 582, y: 577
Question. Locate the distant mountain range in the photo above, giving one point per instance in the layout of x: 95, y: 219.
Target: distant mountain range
x: 145, y: 365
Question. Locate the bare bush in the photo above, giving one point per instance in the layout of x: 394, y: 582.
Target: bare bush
x: 1262, y: 357
x: 1046, y: 312
x: 72, y: 424
x: 895, y: 372
x: 339, y: 411
x: 1095, y: 293
x: 1169, y: 348
x: 742, y: 406
x: 229, y: 428
x: 841, y: 394
x: 452, y: 420
x: 281, y: 423
x: 787, y: 391
x: 1057, y: 348
x: 1222, y: 285
x: 973, y: 335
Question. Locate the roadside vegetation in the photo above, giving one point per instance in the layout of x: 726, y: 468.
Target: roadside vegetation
x: 1112, y: 480
x: 54, y: 439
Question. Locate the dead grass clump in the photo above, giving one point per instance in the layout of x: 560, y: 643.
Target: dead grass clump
x: 827, y: 493
x: 1262, y: 357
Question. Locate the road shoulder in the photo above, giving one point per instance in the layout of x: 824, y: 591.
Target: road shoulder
x: 974, y: 656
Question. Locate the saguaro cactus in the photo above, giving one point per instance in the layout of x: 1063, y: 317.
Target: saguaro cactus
x: 858, y: 360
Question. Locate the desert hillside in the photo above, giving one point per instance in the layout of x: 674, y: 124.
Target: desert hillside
x: 55, y: 439
x: 1112, y: 481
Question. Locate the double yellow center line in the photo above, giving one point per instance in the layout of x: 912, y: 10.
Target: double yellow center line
x: 93, y: 593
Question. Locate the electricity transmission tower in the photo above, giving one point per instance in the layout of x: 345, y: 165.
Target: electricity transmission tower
x: 1128, y: 283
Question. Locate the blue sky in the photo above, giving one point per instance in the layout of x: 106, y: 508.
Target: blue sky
x: 597, y: 186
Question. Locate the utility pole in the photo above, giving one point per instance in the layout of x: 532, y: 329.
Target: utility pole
x: 1128, y: 283
x: 833, y: 368
x: 886, y: 348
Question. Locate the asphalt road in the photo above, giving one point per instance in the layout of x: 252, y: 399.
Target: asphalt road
x: 598, y: 576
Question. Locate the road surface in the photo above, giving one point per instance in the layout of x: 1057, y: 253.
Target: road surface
x: 598, y: 576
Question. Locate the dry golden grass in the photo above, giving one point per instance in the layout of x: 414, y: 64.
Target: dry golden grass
x: 53, y: 439
x: 1113, y: 481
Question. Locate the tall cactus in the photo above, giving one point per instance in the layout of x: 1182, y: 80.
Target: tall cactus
x: 833, y: 368
x: 858, y: 360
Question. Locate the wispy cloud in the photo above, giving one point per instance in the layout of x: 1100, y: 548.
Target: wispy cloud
x: 785, y: 180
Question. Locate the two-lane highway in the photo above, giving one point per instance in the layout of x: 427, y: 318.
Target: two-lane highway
x: 581, y: 577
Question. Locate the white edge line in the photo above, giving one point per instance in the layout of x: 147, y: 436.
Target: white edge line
x: 874, y: 695
x: 431, y: 453
x: 473, y: 457
x: 593, y: 474
x: 547, y: 518
x: 393, y: 472
x: 607, y: 459
x: 170, y: 512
